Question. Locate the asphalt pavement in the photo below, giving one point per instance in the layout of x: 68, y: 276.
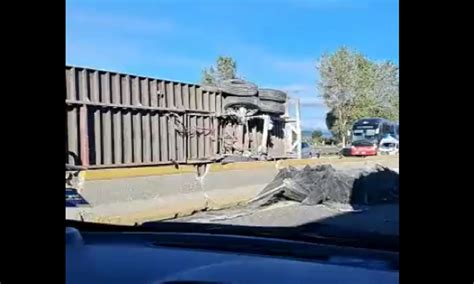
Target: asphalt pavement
x: 383, y: 219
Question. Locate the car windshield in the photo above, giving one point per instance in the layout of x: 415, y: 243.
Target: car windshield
x: 388, y: 145
x: 210, y: 113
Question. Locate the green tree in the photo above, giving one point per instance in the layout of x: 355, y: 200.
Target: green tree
x: 226, y: 68
x: 386, y: 90
x: 208, y: 76
x: 354, y: 87
x: 338, y: 73
x: 330, y: 120
x: 316, y: 136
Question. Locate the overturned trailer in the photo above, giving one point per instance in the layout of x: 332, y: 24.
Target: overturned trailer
x: 123, y: 120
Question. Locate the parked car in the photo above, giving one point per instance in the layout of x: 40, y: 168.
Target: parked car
x: 388, y: 146
x: 308, y: 151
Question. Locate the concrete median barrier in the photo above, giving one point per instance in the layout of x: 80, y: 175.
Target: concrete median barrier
x: 119, y: 197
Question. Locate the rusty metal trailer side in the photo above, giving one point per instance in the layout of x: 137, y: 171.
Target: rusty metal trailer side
x: 124, y: 120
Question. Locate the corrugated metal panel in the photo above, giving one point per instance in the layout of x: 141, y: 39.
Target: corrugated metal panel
x: 155, y: 138
x: 72, y: 124
x: 192, y: 138
x: 116, y: 119
x: 163, y: 138
x: 127, y: 137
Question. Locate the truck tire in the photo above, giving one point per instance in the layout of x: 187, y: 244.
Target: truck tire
x: 272, y: 95
x: 237, y: 87
x: 235, y: 101
x: 271, y: 107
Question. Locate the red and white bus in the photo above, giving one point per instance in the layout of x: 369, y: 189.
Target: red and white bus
x: 367, y: 133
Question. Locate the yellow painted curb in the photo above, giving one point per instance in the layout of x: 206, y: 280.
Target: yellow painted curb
x: 105, y: 174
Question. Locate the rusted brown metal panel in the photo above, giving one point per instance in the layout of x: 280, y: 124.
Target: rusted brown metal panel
x: 153, y: 93
x: 107, y: 134
x: 95, y: 86
x: 201, y: 137
x: 169, y: 91
x: 146, y: 123
x: 126, y: 90
x: 205, y: 100
x: 208, y: 149
x: 136, y: 91
x: 127, y: 138
x: 131, y: 165
x: 186, y: 95
x: 172, y: 138
x: 162, y: 94
x: 164, y: 138
x: 137, y: 137
x: 180, y: 138
x: 116, y: 90
x: 155, y: 137
x: 72, y: 130
x: 199, y: 100
x: 83, y: 86
x: 105, y: 87
x: 145, y: 92
x: 192, y: 98
x: 84, y: 136
x: 212, y: 102
x: 105, y: 97
x: 178, y: 95
x: 97, y: 137
x: 122, y: 119
x: 117, y: 137
x: 193, y: 139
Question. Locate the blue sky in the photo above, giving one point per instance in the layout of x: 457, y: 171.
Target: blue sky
x: 275, y: 42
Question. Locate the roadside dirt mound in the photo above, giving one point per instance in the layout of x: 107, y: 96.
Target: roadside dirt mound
x: 323, y: 183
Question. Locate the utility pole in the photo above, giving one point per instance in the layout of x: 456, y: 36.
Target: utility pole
x: 297, y: 123
x: 298, y: 127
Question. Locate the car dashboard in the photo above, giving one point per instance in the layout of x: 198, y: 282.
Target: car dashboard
x: 167, y: 257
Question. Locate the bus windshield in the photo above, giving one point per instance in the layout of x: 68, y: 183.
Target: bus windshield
x: 373, y: 129
x: 365, y: 132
